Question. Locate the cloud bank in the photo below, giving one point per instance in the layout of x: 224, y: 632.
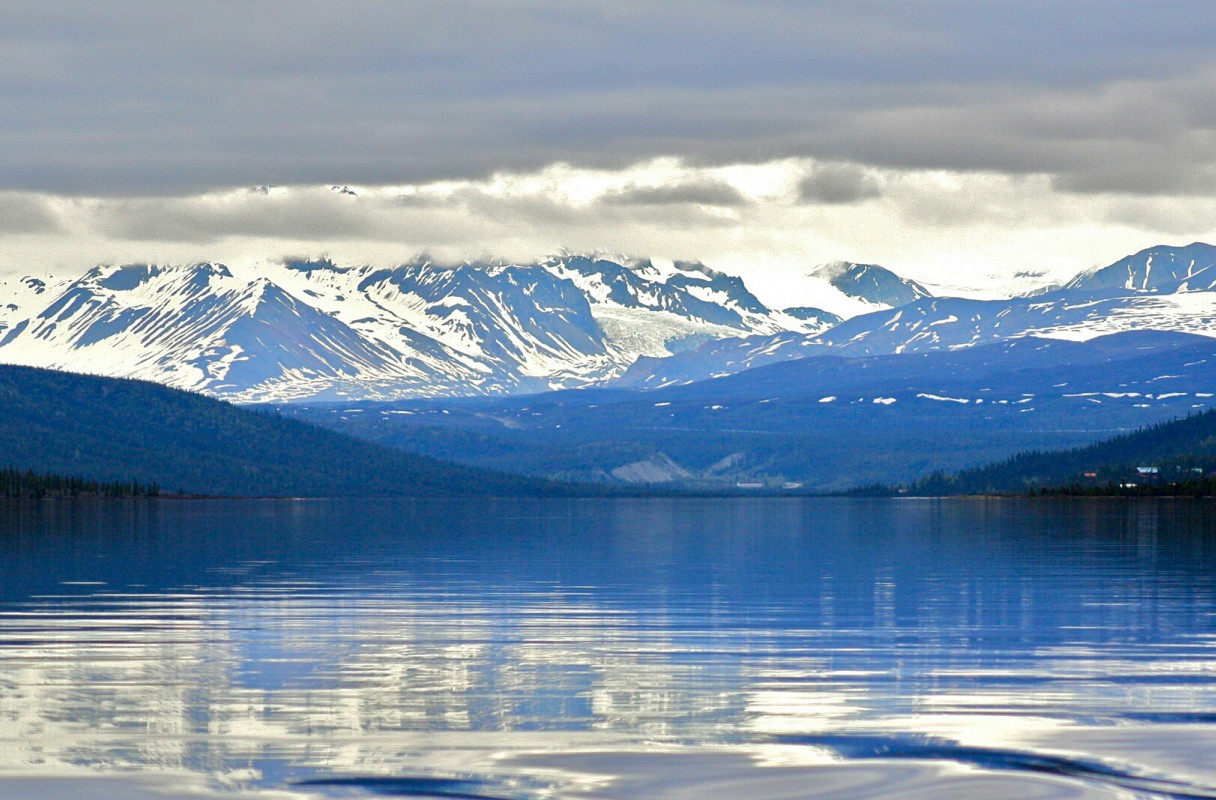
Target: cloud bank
x: 952, y: 139
x: 128, y: 97
x: 768, y: 222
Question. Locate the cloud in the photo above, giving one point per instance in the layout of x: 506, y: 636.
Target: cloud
x: 303, y: 215
x: 948, y: 227
x: 133, y: 98
x: 838, y: 183
x: 25, y: 214
x: 705, y: 192
x: 1189, y: 221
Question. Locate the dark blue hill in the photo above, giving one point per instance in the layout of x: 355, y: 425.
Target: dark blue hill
x: 111, y: 429
x: 1178, y: 452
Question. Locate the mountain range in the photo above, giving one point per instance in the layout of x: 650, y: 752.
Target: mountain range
x: 1161, y: 288
x: 611, y: 369
x: 315, y: 331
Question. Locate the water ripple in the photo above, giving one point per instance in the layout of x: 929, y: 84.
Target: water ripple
x: 859, y: 747
x: 463, y: 788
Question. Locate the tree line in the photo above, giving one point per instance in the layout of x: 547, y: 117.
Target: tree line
x: 1180, y: 453
x: 27, y: 483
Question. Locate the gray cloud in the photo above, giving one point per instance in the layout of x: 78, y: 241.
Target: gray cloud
x: 22, y: 213
x: 836, y: 184
x: 307, y: 216
x: 423, y: 200
x: 509, y: 211
x: 1191, y: 221
x: 129, y: 97
x: 705, y: 192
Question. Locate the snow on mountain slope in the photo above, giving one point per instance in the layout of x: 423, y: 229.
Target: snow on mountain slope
x: 688, y: 302
x: 1162, y: 288
x: 569, y: 320
x: 508, y: 314
x: 312, y: 329
x: 942, y: 324
x: 573, y: 318
x: 1156, y: 269
x: 636, y: 332
x: 401, y: 324
x: 952, y: 323
x: 870, y: 283
x: 19, y: 297
x: 196, y: 327
x: 844, y: 289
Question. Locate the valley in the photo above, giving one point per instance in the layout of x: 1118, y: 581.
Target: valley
x: 605, y: 369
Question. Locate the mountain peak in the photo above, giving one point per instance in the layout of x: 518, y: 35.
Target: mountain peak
x: 871, y: 283
x: 587, y: 260
x: 125, y: 277
x: 1162, y: 268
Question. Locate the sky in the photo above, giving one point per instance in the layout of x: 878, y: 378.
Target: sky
x: 976, y: 144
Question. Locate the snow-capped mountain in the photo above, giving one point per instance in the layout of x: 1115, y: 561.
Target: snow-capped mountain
x: 661, y: 311
x: 1160, y: 269
x: 843, y: 289
x: 1163, y: 288
x: 315, y: 330
x: 19, y: 295
x: 320, y: 331
x: 874, y: 286
x: 199, y: 328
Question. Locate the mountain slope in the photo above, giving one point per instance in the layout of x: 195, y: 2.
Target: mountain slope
x: 112, y: 429
x: 829, y: 422
x: 1160, y: 269
x: 314, y: 329
x: 945, y: 323
x: 1180, y: 448
x: 871, y: 283
x: 195, y: 327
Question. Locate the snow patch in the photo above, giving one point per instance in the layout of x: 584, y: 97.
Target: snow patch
x: 943, y: 399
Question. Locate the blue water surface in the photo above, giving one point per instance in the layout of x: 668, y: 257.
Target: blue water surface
x: 768, y: 648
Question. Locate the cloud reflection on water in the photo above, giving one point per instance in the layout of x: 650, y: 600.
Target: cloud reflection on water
x: 452, y: 643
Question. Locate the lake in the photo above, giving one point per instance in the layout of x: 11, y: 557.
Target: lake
x: 657, y: 649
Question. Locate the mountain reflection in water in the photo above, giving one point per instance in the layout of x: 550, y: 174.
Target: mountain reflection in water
x: 766, y: 648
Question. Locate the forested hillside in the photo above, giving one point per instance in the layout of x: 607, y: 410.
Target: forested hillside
x: 109, y: 429
x: 27, y: 483
x: 1180, y: 450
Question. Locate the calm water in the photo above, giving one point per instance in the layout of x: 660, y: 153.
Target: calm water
x: 755, y: 649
